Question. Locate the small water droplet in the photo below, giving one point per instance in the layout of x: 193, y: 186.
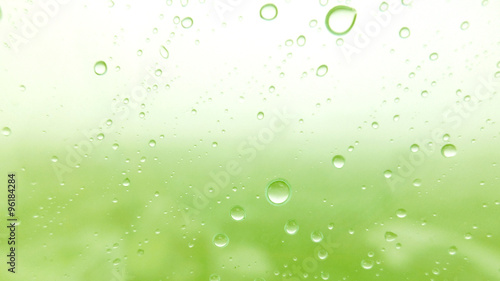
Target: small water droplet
x: 433, y: 56
x: 417, y: 182
x: 414, y: 148
x: 187, y: 22
x: 449, y: 150
x: 390, y: 236
x: 221, y: 240
x: 301, y: 40
x: 100, y: 68
x: 115, y: 146
x: 278, y: 192
x: 401, y: 213
x: 126, y: 182
x: 452, y: 250
x: 291, y: 227
x: 54, y: 159
x: 164, y: 52
x: 260, y: 115
x: 214, y: 277
x: 340, y: 19
x: 383, y: 6
x: 387, y: 174
x: 322, y: 254
x: 238, y: 213
x: 6, y: 131
x: 316, y: 236
x: 338, y: 161
x: 404, y: 32
x: 215, y: 144
x: 268, y: 12
x: 375, y: 125
x: 367, y: 264
x: 152, y: 143
x: 464, y: 25
x: 322, y: 70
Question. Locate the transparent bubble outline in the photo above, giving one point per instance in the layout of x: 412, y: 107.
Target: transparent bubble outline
x: 334, y: 9
x: 228, y: 240
x: 244, y: 213
x: 268, y: 5
x: 289, y: 189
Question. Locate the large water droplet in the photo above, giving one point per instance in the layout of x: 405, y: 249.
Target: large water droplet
x: 268, y: 12
x: 237, y: 213
x: 322, y: 70
x: 291, y: 227
x: 6, y: 131
x: 278, y: 192
x: 221, y: 240
x: 338, y: 161
x: 340, y: 19
x: 449, y: 150
x: 100, y: 67
x: 390, y: 236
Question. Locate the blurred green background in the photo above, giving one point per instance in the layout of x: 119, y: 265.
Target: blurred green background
x: 129, y: 170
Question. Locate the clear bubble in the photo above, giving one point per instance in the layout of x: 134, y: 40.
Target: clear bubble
x: 464, y: 25
x: 291, y: 227
x: 221, y: 240
x: 339, y: 42
x: 424, y: 94
x: 214, y: 144
x: 340, y: 19
x: 260, y: 115
x: 313, y: 23
x: 390, y: 236
x: 6, y: 131
x: 238, y: 213
x: 383, y: 6
x: 406, y: 2
x: 414, y: 147
x: 152, y: 143
x: 100, y: 67
x: 322, y: 70
x: 367, y: 264
x: 316, y: 236
x: 268, y: 12
x: 417, y: 182
x: 187, y: 22
x: 115, y: 146
x: 375, y: 125
x: 404, y: 32
x: 278, y: 192
x: 126, y: 182
x: 322, y: 254
x: 452, y: 250
x: 449, y: 150
x: 433, y: 56
x: 301, y: 40
x: 214, y: 277
x: 54, y: 159
x: 338, y: 161
x: 164, y: 52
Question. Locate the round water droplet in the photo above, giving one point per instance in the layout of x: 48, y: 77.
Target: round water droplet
x: 322, y: 70
x: 417, y: 182
x: 316, y: 236
x: 6, y: 131
x: 452, y: 250
x: 401, y: 213
x: 115, y: 146
x: 338, y: 161
x: 383, y: 6
x: 152, y: 143
x: 238, y: 213
x: 367, y: 264
x: 140, y: 252
x: 387, y: 174
x: 54, y: 159
x: 221, y: 240
x: 340, y: 19
x: 404, y: 32
x: 449, y: 150
x: 100, y: 68
x: 268, y: 12
x: 187, y: 22
x: 424, y: 94
x: 260, y: 115
x: 215, y: 144
x: 414, y: 148
x: 375, y: 125
x: 214, y: 277
x: 464, y: 25
x: 291, y: 227
x: 390, y: 236
x: 164, y: 52
x: 301, y: 40
x: 406, y: 2
x: 433, y: 56
x: 126, y: 182
x: 322, y: 254
x: 278, y: 192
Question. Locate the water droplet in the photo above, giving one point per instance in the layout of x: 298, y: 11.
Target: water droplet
x: 468, y: 236
x: 100, y: 68
x: 152, y: 143
x: 221, y: 240
x: 126, y: 182
x: 214, y: 277
x: 313, y: 23
x: 387, y: 174
x: 404, y: 32
x: 452, y: 250
x: 433, y: 56
x: 268, y: 12
x: 331, y: 225
x: 367, y: 264
x: 375, y: 125
x: 424, y: 94
x: 100, y: 136
x: 6, y: 131
x: 401, y: 213
x: 116, y: 261
x: 164, y: 52
x: 260, y: 115
x: 187, y: 22
x: 383, y: 6
x: 449, y: 150
x: 238, y: 213
x: 340, y: 42
x: 215, y: 144
x: 406, y: 2
x: 396, y: 118
x: 301, y: 40
x: 414, y: 148
x: 278, y: 192
x: 340, y: 19
x: 464, y: 25
x: 322, y: 254
x: 158, y: 72
x: 390, y: 236
x: 54, y: 159
x: 291, y: 227
x: 338, y: 161
x: 316, y: 236
x: 322, y: 70
x: 140, y: 252
x: 115, y: 146
x: 417, y: 182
